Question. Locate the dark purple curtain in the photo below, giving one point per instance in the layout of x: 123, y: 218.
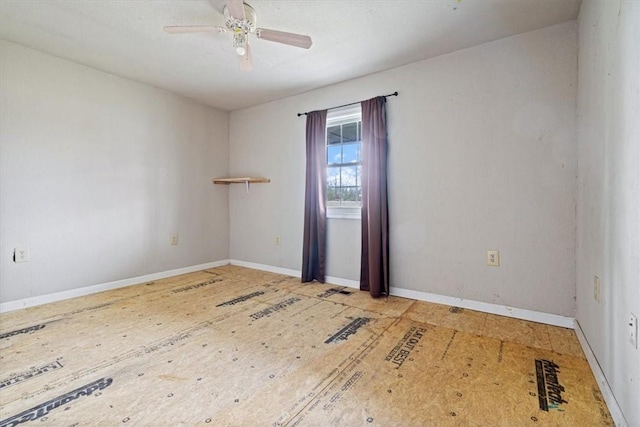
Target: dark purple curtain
x: 315, y: 213
x: 374, y: 270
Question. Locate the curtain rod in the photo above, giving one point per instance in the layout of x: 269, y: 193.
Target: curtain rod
x: 346, y: 105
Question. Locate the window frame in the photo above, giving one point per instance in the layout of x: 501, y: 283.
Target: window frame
x: 341, y: 116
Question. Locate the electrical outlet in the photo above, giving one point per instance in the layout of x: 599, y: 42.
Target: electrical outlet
x: 174, y: 239
x: 633, y: 330
x: 493, y: 258
x: 276, y: 240
x: 20, y: 255
x: 596, y: 288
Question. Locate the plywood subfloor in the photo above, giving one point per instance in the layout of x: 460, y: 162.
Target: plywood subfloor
x: 234, y: 346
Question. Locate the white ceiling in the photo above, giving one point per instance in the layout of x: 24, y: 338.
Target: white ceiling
x: 351, y: 38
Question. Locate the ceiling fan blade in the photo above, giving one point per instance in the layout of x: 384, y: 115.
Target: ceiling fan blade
x: 193, y: 29
x: 236, y: 9
x: 246, y: 61
x: 297, y: 40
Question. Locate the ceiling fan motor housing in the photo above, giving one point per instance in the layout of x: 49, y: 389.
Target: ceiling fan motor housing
x: 246, y: 26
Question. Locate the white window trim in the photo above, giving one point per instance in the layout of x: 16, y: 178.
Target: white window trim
x: 339, y: 116
x: 342, y: 115
x: 338, y: 212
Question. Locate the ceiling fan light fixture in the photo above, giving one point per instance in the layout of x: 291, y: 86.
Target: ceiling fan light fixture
x: 240, y: 20
x: 240, y: 43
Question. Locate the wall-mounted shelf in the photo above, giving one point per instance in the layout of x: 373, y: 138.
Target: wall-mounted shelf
x: 243, y: 180
x: 228, y: 181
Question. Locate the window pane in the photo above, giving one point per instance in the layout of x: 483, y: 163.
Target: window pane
x: 333, y: 135
x: 333, y: 185
x: 348, y: 176
x: 350, y: 132
x: 344, y: 156
x: 351, y: 153
x: 333, y: 177
x: 333, y: 195
x: 333, y: 154
x: 359, y: 131
x: 350, y: 194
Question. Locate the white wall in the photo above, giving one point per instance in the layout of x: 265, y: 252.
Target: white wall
x: 608, y: 234
x: 482, y: 156
x: 97, y: 171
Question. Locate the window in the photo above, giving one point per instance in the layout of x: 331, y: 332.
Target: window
x: 344, y: 162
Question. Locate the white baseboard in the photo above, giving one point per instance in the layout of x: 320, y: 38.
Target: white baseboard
x: 294, y: 273
x: 535, y: 316
x: 264, y: 267
x: 87, y: 290
x: 343, y: 282
x: 517, y: 313
x: 605, y: 389
x: 501, y: 310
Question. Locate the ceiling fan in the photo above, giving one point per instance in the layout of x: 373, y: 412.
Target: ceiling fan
x: 240, y: 19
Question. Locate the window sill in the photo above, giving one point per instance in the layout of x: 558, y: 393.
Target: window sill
x: 344, y: 213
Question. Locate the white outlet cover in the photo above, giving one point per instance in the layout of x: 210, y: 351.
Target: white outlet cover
x: 493, y: 258
x: 21, y: 255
